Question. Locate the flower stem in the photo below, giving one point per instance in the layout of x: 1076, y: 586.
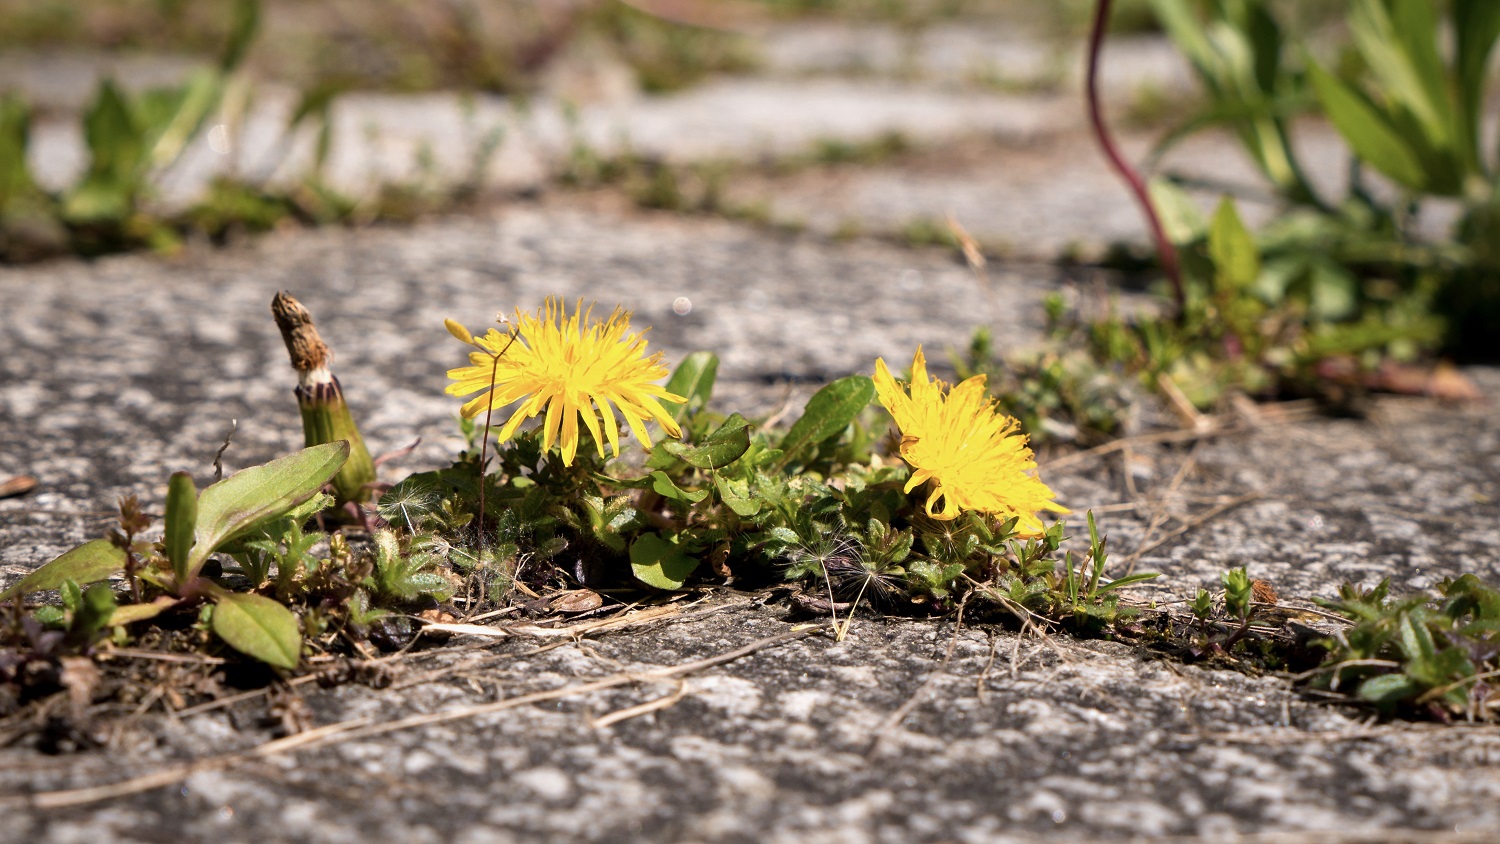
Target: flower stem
x: 1165, y: 251
x: 484, y: 446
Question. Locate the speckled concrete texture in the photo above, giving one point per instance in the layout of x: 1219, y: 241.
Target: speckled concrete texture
x: 119, y: 371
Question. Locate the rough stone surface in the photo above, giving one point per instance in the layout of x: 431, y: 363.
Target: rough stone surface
x: 124, y: 369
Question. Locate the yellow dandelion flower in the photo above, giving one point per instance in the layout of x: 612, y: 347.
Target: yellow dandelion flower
x: 975, y: 457
x: 574, y: 367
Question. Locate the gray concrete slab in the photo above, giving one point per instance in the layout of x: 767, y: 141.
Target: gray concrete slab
x: 122, y: 370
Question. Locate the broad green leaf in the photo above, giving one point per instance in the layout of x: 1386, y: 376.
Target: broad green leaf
x: 1366, y: 129
x: 99, y: 197
x: 828, y: 413
x: 1333, y: 290
x: 115, y: 145
x: 663, y: 485
x: 694, y: 380
x: 1389, y: 688
x: 258, y: 627
x: 90, y: 562
x: 1232, y: 249
x: 181, y: 519
x: 660, y: 563
x: 719, y: 449
x: 735, y: 493
x: 255, y: 495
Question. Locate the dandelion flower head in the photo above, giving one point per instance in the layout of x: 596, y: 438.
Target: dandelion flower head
x: 573, y: 367
x: 975, y: 457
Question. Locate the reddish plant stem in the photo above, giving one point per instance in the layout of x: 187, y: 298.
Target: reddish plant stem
x: 1165, y: 251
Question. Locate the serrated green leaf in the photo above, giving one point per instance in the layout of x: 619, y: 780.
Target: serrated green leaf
x: 828, y: 413
x: 721, y: 448
x: 693, y: 379
x: 253, y: 496
x: 660, y: 563
x: 258, y: 627
x: 90, y: 562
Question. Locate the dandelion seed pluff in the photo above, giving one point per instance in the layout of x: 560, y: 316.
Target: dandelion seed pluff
x: 974, y: 457
x: 573, y: 367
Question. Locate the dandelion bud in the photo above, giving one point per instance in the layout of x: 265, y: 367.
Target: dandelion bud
x: 325, y: 416
x: 458, y: 331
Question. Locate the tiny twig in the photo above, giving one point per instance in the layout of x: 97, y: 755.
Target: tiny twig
x: 362, y: 728
x: 641, y: 708
x: 234, y: 425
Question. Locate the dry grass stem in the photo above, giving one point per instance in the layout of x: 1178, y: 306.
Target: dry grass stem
x: 361, y: 728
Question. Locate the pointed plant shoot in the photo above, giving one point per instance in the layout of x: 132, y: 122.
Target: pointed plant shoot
x: 181, y: 519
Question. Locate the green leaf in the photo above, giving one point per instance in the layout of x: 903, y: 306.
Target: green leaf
x: 186, y: 108
x: 1389, y: 688
x: 1180, y: 217
x: 1232, y: 249
x: 693, y: 379
x: 181, y: 519
x: 1366, y: 129
x: 88, y: 563
x: 1477, y: 25
x: 15, y: 131
x: 828, y: 413
x: 131, y: 613
x: 244, y: 22
x: 663, y: 485
x: 660, y: 563
x: 258, y: 627
x: 96, y: 607
x: 1129, y: 580
x: 252, y: 496
x: 116, y: 147
x: 1398, y: 41
x: 735, y: 493
x: 719, y: 449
